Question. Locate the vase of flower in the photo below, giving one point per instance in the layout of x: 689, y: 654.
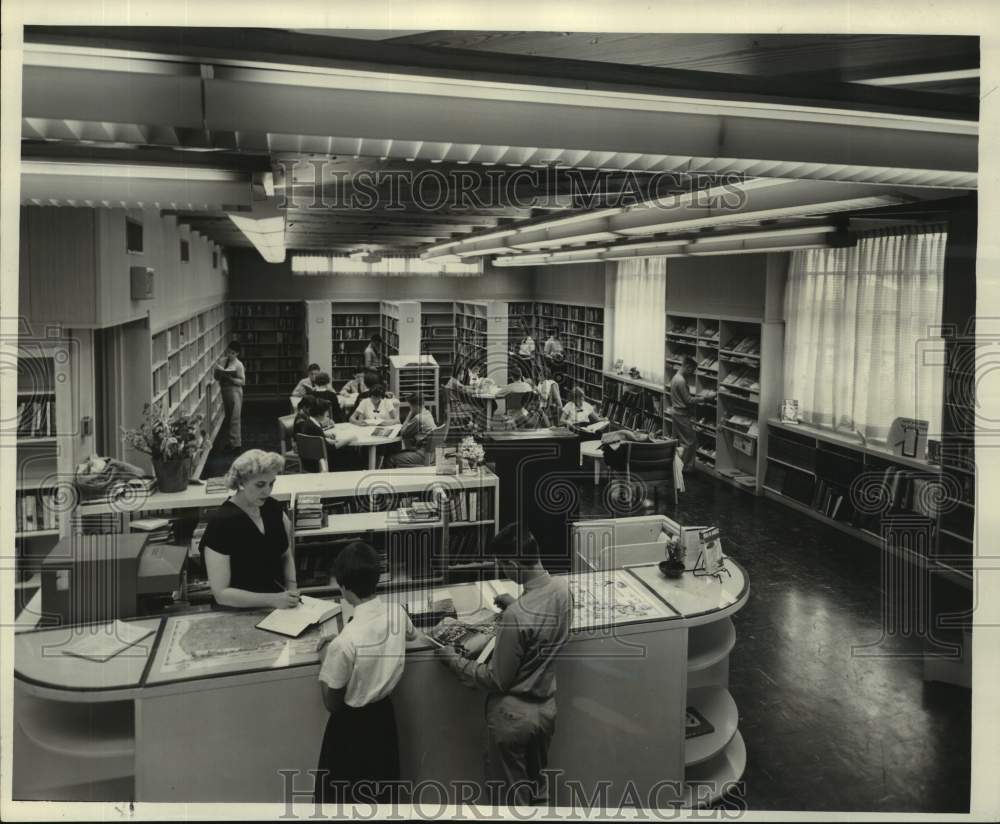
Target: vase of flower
x: 470, y: 455
x: 172, y: 443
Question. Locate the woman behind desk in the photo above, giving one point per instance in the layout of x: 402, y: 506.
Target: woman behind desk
x: 247, y: 543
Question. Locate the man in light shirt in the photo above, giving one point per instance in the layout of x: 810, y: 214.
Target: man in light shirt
x: 519, y: 678
x: 360, y: 668
x: 553, y: 346
x: 682, y: 406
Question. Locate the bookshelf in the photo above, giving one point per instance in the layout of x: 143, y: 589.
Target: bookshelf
x: 470, y: 330
x: 727, y: 388
x: 437, y: 334
x: 633, y: 404
x: 390, y: 331
x: 581, y: 329
x: 183, y: 358
x: 272, y: 334
x: 352, y: 323
x: 43, y: 427
x: 853, y: 487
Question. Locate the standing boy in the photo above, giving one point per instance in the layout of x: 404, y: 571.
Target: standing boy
x: 683, y: 406
x: 361, y: 667
x: 232, y: 376
x: 520, y: 678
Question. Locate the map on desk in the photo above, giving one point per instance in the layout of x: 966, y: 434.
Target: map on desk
x: 613, y: 597
x: 214, y: 642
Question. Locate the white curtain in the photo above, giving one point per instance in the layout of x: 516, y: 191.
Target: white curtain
x: 861, y: 332
x: 640, y: 322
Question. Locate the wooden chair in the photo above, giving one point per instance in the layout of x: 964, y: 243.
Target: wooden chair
x: 312, y: 448
x: 652, y: 463
x: 286, y: 443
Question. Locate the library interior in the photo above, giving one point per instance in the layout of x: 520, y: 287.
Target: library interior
x: 453, y: 331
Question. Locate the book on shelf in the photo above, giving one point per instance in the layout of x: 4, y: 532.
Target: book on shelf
x: 293, y: 622
x: 309, y: 512
x: 216, y: 485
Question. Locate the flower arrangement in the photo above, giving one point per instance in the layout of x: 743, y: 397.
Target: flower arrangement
x: 470, y: 452
x: 179, y: 437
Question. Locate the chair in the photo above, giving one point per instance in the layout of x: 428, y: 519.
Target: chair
x: 312, y: 448
x: 648, y: 462
x: 436, y: 439
x: 286, y: 435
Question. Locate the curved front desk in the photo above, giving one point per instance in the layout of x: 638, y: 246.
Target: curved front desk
x: 211, y: 709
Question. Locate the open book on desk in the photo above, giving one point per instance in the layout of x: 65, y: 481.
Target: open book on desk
x: 595, y: 427
x: 293, y: 622
x: 386, y: 430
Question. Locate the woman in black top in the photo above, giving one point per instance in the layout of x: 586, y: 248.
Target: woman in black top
x: 311, y: 415
x: 324, y: 391
x: 247, y: 544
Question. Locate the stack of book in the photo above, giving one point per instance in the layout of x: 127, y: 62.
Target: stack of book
x: 419, y: 513
x: 309, y: 512
x: 688, y: 330
x: 746, y: 345
x: 710, y: 334
x: 215, y: 485
x: 740, y: 422
x: 705, y: 395
x: 710, y: 364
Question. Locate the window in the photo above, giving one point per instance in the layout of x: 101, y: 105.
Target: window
x: 133, y: 236
x: 215, y: 259
x: 185, y: 251
x: 860, y: 327
x: 640, y: 316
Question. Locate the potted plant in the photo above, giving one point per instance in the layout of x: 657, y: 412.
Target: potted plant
x: 172, y: 443
x: 673, y: 565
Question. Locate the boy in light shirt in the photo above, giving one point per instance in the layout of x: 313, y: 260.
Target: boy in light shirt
x: 361, y: 667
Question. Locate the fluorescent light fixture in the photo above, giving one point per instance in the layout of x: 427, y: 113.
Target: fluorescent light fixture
x: 356, y: 266
x: 264, y: 227
x: 765, y: 234
x: 927, y: 77
x: 490, y: 250
x: 494, y: 235
x: 134, y: 170
x: 439, y: 249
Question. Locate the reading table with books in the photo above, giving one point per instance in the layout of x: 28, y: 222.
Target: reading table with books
x: 188, y: 683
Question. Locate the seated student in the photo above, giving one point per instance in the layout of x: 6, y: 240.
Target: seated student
x: 517, y: 390
x: 356, y: 386
x: 414, y: 433
x: 308, y: 383
x: 361, y: 667
x: 529, y: 415
x: 323, y: 390
x: 527, y: 347
x: 311, y: 419
x: 577, y: 410
x: 375, y: 407
x: 551, y: 400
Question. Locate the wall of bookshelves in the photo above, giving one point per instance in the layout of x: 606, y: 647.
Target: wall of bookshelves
x: 727, y: 388
x: 581, y: 330
x: 352, y: 323
x: 633, y: 404
x: 390, y: 331
x: 520, y: 323
x: 183, y: 360
x: 272, y: 334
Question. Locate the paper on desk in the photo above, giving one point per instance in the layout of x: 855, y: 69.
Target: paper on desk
x: 596, y: 427
x: 293, y: 622
x: 103, y: 643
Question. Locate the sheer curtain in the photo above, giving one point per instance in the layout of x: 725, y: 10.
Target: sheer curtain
x: 640, y: 322
x: 860, y: 332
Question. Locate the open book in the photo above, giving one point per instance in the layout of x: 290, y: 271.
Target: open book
x: 104, y: 643
x: 595, y: 427
x: 473, y: 637
x: 293, y: 622
x: 386, y: 431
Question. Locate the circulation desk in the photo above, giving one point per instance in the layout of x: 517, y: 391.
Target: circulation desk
x: 203, y: 729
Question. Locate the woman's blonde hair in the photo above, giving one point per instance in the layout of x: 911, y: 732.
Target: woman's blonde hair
x: 253, y: 462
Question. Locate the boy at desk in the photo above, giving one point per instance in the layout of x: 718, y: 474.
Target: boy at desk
x: 360, y: 668
x: 312, y: 418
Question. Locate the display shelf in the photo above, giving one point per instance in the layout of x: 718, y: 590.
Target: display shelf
x: 704, y: 781
x: 719, y: 709
x: 633, y: 404
x: 419, y: 374
x: 710, y: 644
x: 470, y: 335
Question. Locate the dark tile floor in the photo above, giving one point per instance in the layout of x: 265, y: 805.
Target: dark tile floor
x: 826, y: 728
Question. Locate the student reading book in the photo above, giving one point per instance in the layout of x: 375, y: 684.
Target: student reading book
x: 361, y: 667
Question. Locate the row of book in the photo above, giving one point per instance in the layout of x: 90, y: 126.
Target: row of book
x: 746, y: 345
x: 689, y: 330
x: 269, y: 325
x: 563, y: 312
x: 36, y: 418
x: 465, y: 546
x: 253, y: 310
x: 709, y: 363
x: 743, y: 377
x: 353, y: 333
x: 588, y: 330
x: 269, y: 337
x: 360, y: 321
x: 743, y: 423
x: 35, y: 511
x: 470, y: 505
x: 309, y: 512
x: 592, y: 362
x: 705, y: 396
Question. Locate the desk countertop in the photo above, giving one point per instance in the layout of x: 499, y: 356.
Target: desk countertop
x: 210, y: 644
